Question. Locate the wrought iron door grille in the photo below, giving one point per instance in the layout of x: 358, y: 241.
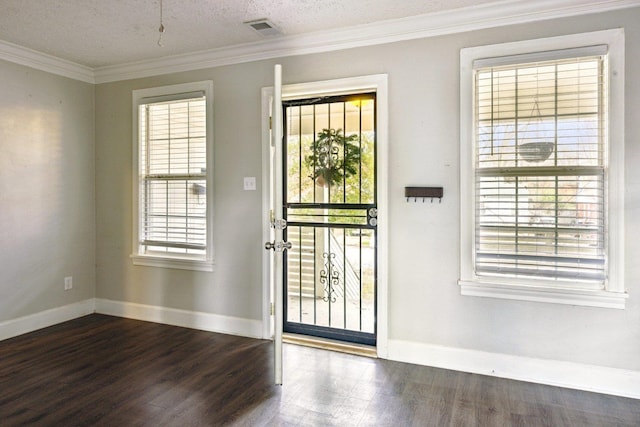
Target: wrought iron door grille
x: 331, y: 210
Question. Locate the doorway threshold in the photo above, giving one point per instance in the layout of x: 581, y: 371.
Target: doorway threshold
x: 328, y: 344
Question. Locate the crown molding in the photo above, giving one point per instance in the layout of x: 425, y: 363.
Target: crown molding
x: 501, y: 13
x: 44, y: 62
x: 491, y: 15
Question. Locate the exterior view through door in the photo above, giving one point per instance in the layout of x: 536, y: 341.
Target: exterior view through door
x: 330, y: 205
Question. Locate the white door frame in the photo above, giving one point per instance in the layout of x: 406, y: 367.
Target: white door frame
x: 377, y: 83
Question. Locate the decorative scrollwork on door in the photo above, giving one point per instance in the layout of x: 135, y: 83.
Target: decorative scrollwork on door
x: 329, y: 277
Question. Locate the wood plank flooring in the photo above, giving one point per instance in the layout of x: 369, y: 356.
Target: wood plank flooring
x: 106, y: 371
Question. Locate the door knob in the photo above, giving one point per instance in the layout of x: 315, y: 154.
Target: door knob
x: 278, y: 246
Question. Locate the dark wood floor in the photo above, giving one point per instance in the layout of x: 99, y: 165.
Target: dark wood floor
x: 106, y: 371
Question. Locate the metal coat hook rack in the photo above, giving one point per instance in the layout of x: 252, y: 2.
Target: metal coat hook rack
x: 423, y: 193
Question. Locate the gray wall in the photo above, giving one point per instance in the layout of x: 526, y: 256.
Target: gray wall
x: 47, y: 221
x: 425, y: 304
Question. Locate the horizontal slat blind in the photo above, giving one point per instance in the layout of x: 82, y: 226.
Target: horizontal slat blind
x: 173, y: 161
x: 540, y: 170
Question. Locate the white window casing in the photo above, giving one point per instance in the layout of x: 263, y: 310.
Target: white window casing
x: 172, y: 176
x: 542, y: 170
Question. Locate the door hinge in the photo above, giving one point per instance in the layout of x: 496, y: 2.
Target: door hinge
x: 270, y: 122
x: 273, y: 310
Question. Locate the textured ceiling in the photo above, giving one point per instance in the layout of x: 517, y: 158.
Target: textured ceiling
x: 98, y: 33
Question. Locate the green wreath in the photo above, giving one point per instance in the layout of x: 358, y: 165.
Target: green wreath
x: 328, y: 167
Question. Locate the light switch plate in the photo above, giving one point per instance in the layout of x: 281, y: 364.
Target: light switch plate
x: 249, y: 183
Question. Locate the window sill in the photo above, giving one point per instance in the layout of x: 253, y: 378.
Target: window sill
x: 590, y: 298
x: 177, y: 263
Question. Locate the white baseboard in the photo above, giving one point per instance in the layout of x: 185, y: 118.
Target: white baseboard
x: 619, y: 382
x: 188, y: 319
x: 22, y: 325
x: 599, y: 379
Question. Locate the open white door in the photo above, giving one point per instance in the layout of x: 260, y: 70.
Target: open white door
x: 278, y: 245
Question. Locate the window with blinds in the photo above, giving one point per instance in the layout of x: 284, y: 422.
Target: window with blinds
x: 173, y: 158
x: 540, y: 166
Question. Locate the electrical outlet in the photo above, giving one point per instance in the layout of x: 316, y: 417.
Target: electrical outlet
x: 68, y: 283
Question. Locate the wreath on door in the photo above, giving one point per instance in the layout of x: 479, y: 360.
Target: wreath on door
x: 334, y: 157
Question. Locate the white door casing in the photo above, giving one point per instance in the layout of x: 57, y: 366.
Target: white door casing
x: 274, y: 291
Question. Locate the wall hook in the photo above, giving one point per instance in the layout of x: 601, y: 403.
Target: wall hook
x: 423, y: 193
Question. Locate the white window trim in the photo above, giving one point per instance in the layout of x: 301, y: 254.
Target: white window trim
x: 613, y: 296
x: 183, y: 262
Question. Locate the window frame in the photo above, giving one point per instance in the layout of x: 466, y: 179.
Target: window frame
x: 613, y: 295
x: 177, y: 261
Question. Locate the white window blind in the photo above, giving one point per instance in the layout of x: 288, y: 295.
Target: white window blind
x: 540, y: 167
x: 173, y: 175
